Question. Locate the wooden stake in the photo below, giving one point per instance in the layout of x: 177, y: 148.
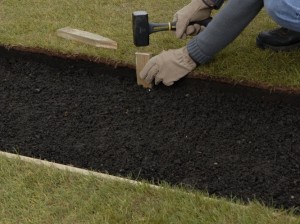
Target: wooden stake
x: 141, y: 61
x: 86, y: 37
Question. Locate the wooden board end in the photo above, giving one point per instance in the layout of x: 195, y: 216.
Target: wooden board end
x: 141, y: 61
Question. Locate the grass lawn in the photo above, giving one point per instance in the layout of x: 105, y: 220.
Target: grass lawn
x: 35, y: 194
x: 31, y: 193
x: 34, y: 23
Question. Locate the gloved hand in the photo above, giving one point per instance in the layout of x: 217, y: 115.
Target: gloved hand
x: 194, y: 11
x: 168, y: 67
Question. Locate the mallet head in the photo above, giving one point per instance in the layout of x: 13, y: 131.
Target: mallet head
x: 140, y: 28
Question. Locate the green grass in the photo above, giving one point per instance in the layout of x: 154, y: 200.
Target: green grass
x: 36, y: 194
x: 33, y: 23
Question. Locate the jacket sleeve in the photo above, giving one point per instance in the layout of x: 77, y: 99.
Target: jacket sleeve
x: 223, y: 29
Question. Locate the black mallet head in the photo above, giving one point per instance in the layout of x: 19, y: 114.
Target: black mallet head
x: 142, y: 28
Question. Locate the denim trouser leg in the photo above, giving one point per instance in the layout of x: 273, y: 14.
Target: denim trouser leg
x: 284, y: 12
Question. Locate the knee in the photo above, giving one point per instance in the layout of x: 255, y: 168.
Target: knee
x: 284, y: 12
x: 273, y: 7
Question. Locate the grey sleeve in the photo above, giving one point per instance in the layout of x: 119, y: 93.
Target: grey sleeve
x: 223, y: 29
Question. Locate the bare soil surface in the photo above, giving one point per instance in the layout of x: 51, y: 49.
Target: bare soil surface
x: 227, y: 140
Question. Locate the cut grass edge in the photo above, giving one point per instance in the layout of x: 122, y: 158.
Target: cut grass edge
x: 24, y: 25
x: 117, y: 64
x: 238, y: 207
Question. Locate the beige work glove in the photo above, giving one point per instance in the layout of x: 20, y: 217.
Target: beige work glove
x: 194, y: 11
x: 168, y: 67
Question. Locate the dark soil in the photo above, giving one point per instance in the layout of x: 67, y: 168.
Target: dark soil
x: 228, y: 140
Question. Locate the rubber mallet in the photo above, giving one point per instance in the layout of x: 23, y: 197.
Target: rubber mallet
x: 142, y: 28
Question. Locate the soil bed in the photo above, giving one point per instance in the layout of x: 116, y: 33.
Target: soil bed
x: 228, y: 140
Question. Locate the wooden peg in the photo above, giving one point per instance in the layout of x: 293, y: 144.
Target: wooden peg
x: 86, y: 37
x: 141, y: 61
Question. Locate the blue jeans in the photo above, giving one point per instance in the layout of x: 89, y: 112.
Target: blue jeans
x: 284, y: 12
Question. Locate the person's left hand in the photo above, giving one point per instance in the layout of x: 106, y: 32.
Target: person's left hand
x: 168, y: 67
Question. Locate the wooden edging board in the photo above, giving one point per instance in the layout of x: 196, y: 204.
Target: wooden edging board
x: 70, y: 168
x: 86, y: 37
x: 93, y: 173
x: 82, y: 171
x: 101, y: 175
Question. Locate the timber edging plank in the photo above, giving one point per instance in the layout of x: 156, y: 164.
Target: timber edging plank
x: 86, y: 37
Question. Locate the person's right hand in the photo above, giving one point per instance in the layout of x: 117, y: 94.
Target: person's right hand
x: 194, y: 11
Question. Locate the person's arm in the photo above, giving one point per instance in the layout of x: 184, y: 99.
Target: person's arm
x: 170, y: 66
x: 223, y: 29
